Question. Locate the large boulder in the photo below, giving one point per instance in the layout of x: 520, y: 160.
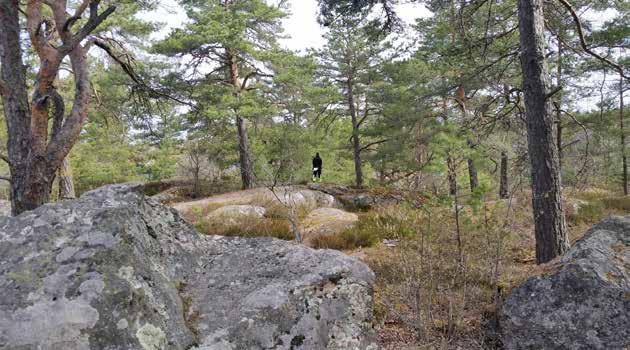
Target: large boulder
x: 115, y: 270
x: 326, y: 222
x: 582, y: 303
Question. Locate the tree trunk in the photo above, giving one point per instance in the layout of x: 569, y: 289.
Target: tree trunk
x: 66, y: 184
x: 623, y: 139
x: 356, y: 141
x: 34, y: 157
x: 245, y: 158
x: 247, y: 169
x: 559, y: 105
x: 472, y: 174
x: 17, y: 110
x: 452, y: 176
x: 550, y: 226
x: 503, y: 183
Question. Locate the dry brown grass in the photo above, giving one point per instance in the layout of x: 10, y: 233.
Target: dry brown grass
x: 267, y: 227
x: 427, y: 297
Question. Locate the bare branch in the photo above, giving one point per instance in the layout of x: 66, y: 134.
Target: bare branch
x: 5, y: 178
x: 373, y: 144
x: 580, y: 32
x: 553, y: 92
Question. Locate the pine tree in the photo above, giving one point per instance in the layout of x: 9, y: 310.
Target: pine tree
x: 227, y: 47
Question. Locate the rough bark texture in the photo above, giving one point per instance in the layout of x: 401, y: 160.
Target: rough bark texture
x: 452, y: 176
x: 245, y: 158
x: 34, y: 156
x: 559, y: 125
x: 66, y: 183
x: 622, y: 130
x: 356, y: 141
x: 247, y: 169
x: 472, y: 174
x: 504, y: 190
x: 16, y: 105
x: 550, y: 226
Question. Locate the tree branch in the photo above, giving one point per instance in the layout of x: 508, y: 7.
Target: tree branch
x: 372, y: 144
x: 580, y: 32
x: 5, y: 178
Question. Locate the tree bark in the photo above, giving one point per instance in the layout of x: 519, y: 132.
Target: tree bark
x: 247, y: 169
x: 503, y: 183
x: 624, y: 158
x: 34, y: 157
x: 559, y: 105
x: 550, y: 226
x: 452, y: 176
x: 472, y: 175
x: 66, y: 183
x: 356, y: 141
x: 16, y: 106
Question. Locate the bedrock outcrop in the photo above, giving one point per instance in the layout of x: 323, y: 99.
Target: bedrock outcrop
x: 116, y: 270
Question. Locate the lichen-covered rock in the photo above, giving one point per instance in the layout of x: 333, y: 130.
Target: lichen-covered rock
x: 5, y: 208
x: 327, y: 221
x: 584, y: 303
x: 115, y: 270
x: 357, y: 199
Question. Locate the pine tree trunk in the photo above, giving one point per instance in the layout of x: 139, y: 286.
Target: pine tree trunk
x: 452, y: 176
x: 472, y: 174
x: 503, y: 183
x: 247, y: 169
x: 356, y: 141
x: 550, y: 226
x: 624, y: 158
x: 66, y: 183
x: 559, y: 106
x: 34, y: 157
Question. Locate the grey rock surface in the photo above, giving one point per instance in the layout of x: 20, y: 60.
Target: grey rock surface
x: 583, y: 303
x: 5, y: 208
x: 115, y: 270
x: 357, y: 199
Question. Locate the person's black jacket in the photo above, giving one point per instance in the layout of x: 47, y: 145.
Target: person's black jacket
x: 317, y: 162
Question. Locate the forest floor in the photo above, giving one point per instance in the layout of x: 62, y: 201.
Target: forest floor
x: 440, y: 273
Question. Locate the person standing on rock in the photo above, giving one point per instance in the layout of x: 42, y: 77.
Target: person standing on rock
x: 317, y: 168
